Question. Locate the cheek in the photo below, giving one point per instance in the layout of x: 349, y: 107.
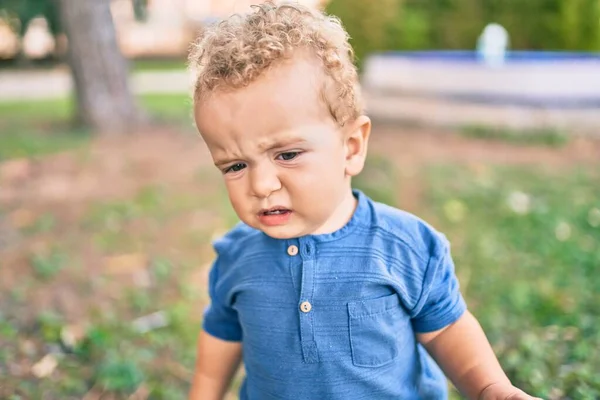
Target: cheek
x: 235, y: 191
x: 328, y: 164
x: 318, y: 175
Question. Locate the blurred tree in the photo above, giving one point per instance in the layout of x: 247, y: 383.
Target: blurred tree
x: 367, y: 24
x: 19, y: 13
x: 24, y: 11
x: 456, y: 24
x: 104, y: 99
x: 579, y: 24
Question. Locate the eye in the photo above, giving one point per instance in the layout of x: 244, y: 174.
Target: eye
x: 287, y: 156
x: 235, y: 168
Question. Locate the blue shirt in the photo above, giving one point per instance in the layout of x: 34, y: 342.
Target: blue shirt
x: 334, y: 316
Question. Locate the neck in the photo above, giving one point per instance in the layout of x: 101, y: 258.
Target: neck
x: 340, y: 217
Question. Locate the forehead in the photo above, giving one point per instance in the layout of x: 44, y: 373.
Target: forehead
x: 284, y: 101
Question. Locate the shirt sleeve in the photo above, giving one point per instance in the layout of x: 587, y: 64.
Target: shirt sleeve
x: 441, y: 302
x: 220, y: 319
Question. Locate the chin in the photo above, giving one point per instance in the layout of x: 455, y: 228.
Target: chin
x: 281, y: 232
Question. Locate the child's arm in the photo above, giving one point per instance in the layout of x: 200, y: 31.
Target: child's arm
x: 464, y: 353
x: 216, y: 363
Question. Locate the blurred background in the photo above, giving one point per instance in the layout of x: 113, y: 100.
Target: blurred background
x: 486, y: 122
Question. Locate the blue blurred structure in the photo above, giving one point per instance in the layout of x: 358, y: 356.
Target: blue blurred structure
x: 470, y: 56
x: 567, y: 80
x: 529, y: 90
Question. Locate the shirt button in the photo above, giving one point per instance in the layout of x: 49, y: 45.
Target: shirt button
x: 305, y: 307
x: 292, y: 250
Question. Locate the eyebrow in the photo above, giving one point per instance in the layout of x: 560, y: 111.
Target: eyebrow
x: 278, y: 143
x: 275, y: 144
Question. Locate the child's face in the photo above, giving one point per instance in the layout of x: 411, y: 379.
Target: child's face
x: 286, y: 163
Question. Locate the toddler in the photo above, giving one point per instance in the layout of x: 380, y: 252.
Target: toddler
x: 324, y: 293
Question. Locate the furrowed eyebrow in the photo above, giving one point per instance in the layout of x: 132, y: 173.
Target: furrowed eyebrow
x: 282, y: 143
x: 221, y: 163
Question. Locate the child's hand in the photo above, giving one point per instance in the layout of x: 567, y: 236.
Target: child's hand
x: 500, y: 391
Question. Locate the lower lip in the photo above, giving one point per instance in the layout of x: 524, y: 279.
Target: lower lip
x: 275, y: 219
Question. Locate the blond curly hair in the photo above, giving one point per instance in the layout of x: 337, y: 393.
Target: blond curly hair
x: 235, y: 52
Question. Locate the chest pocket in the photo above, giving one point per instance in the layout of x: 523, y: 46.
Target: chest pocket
x: 379, y: 330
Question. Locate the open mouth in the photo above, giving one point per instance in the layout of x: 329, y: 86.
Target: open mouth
x: 275, y: 211
x: 275, y: 216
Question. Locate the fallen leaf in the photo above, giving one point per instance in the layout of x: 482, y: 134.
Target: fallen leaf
x: 150, y: 322
x: 45, y: 366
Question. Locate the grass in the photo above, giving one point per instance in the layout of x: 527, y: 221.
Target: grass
x: 58, y: 111
x: 25, y: 112
x: 46, y: 266
x: 531, y: 281
x: 526, y: 244
x: 35, y: 128
x: 135, y: 65
x: 19, y: 143
x: 529, y: 137
x: 169, y: 107
x: 160, y: 64
x: 527, y: 247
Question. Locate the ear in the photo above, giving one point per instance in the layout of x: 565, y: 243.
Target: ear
x: 356, y: 141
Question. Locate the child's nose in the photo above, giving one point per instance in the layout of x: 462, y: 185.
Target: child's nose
x: 264, y: 180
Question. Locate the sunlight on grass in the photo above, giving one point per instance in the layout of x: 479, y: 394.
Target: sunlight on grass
x: 165, y: 64
x: 527, y: 248
x: 26, y: 112
x: 529, y: 137
x: 59, y: 111
x: 170, y: 107
x: 33, y: 128
x: 17, y: 143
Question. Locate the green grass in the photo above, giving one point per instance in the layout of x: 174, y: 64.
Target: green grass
x: 35, y: 128
x: 18, y: 143
x: 116, y: 359
x: 526, y: 245
x: 378, y: 179
x: 161, y: 64
x: 527, y: 250
x: 59, y: 111
x: 135, y: 65
x: 170, y: 107
x: 27, y: 112
x: 46, y: 266
x: 539, y: 136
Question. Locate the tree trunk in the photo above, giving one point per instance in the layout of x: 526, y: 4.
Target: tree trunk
x: 104, y: 99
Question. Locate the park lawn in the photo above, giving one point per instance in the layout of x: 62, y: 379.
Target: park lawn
x: 526, y: 245
x: 165, y: 64
x: 525, y: 239
x: 34, y: 128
